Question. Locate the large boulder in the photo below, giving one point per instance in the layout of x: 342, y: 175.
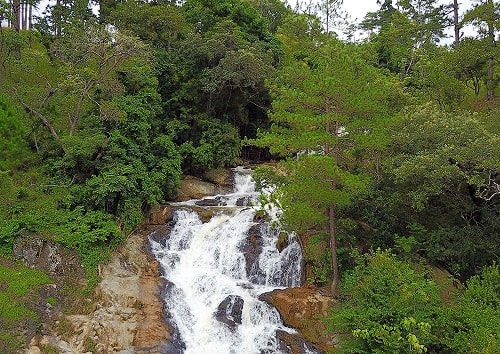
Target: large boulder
x: 215, y: 181
x: 222, y: 178
x: 252, y: 249
x: 210, y: 202
x: 194, y: 188
x: 159, y: 215
x: 301, y: 308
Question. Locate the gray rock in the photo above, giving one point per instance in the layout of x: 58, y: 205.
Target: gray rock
x: 229, y: 311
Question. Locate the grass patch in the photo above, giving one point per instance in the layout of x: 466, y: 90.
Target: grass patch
x: 16, y: 283
x: 10, y: 343
x: 19, y: 279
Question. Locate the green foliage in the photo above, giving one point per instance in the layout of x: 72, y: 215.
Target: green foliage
x: 10, y: 342
x: 114, y: 115
x: 308, y: 192
x: 207, y: 13
x: 30, y: 210
x: 12, y: 136
x: 160, y: 24
x: 475, y: 319
x: 435, y: 76
x: 19, y: 279
x: 218, y: 146
x: 389, y: 307
x: 406, y: 32
x: 318, y: 256
x: 85, y: 230
x: 444, y: 167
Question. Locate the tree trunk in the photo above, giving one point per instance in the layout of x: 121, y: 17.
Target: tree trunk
x: 16, y: 12
x: 30, y: 17
x: 456, y: 24
x: 25, y: 15
x: 333, y: 247
x: 58, y: 19
x: 43, y: 119
x: 331, y: 210
x: 490, y: 84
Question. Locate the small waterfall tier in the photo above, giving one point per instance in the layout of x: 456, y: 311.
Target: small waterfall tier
x: 216, y: 270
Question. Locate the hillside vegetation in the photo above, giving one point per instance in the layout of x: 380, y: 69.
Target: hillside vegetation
x: 386, y: 148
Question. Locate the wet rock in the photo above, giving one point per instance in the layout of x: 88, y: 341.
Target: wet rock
x: 159, y: 214
x: 205, y: 214
x: 229, y: 311
x: 222, y: 178
x: 282, y: 241
x: 293, y: 343
x: 217, y: 201
x: 252, y: 249
x: 243, y: 201
x: 246, y: 285
x: 127, y: 315
x: 302, y: 309
x: 159, y: 235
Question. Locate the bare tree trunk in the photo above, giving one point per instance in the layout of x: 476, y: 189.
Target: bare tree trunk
x: 331, y: 210
x: 456, y: 24
x: 30, y: 17
x: 21, y: 16
x: 333, y: 247
x: 490, y: 84
x: 58, y: 26
x: 327, y: 17
x: 43, y: 119
x: 25, y: 19
x: 21, y: 6
x: 16, y: 18
x: 16, y: 22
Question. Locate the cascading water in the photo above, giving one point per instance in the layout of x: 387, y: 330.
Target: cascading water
x: 212, y: 291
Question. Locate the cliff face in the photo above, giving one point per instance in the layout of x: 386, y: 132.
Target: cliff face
x: 127, y: 315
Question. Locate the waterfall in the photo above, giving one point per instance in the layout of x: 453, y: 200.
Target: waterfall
x: 213, y: 284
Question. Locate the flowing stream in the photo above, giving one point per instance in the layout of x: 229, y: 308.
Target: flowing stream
x: 213, y: 285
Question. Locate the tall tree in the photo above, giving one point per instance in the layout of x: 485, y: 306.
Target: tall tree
x: 486, y: 17
x: 89, y: 58
x: 327, y: 105
x: 456, y: 23
x: 444, y: 168
x: 330, y: 10
x: 405, y: 31
x: 64, y: 14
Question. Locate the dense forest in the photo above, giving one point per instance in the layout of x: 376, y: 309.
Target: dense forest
x: 383, y: 152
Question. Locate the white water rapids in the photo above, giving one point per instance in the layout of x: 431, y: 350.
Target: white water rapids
x: 211, y: 297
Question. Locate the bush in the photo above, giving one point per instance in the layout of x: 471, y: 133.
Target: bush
x: 389, y: 307
x: 474, y: 322
x: 12, y: 132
